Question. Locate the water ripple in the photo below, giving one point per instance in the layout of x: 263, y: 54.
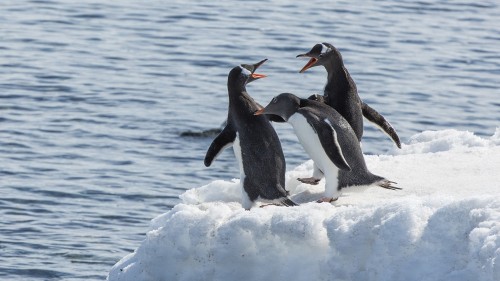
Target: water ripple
x: 95, y: 97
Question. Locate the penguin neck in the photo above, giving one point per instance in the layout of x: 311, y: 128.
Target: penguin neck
x: 339, y: 82
x: 240, y: 99
x: 235, y: 88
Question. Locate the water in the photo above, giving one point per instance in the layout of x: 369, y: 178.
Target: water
x: 94, y: 96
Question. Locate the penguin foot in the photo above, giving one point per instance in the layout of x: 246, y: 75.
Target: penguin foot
x: 286, y: 202
x: 311, y: 180
x: 387, y: 184
x: 327, y: 200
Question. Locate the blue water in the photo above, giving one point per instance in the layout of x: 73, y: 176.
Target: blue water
x: 94, y: 96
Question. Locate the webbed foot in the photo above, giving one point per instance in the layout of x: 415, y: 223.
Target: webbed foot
x: 387, y: 184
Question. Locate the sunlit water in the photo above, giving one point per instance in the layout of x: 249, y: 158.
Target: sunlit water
x: 93, y: 98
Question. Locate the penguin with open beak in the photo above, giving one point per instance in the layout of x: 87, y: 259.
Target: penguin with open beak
x: 256, y: 145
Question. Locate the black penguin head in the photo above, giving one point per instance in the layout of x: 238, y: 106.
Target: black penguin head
x: 319, y: 55
x: 245, y: 73
x: 283, y: 105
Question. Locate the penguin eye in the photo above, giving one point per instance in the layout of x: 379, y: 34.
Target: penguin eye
x: 274, y: 100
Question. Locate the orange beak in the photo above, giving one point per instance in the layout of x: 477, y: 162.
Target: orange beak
x: 259, y: 112
x: 308, y: 65
x: 258, y: 76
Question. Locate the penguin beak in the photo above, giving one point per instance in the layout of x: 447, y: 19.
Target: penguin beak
x: 255, y: 76
x: 309, y: 64
x: 272, y: 117
x: 257, y: 65
x: 303, y: 55
x: 269, y: 110
x: 259, y: 112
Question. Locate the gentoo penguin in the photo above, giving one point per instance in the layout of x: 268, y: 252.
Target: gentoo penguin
x: 330, y: 142
x: 341, y: 93
x: 255, y: 143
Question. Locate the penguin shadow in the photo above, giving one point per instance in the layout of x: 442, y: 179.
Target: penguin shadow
x: 306, y: 196
x: 311, y: 197
x: 307, y: 193
x: 300, y: 192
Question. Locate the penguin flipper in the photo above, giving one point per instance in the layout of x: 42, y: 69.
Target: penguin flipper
x: 373, y: 116
x: 328, y: 139
x: 223, y: 140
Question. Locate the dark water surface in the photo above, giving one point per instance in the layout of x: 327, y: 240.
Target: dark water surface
x: 94, y: 96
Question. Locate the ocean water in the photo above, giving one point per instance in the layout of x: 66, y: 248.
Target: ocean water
x: 94, y: 98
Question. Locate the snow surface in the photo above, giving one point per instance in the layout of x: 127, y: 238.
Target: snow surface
x: 443, y: 225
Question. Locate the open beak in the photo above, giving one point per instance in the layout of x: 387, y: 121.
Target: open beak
x: 254, y: 76
x: 257, y: 65
x: 309, y: 64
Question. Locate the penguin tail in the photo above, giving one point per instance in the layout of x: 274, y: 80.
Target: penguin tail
x: 387, y: 184
x: 287, y: 202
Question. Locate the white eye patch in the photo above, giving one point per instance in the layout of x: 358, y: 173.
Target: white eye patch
x: 324, y: 49
x: 245, y: 71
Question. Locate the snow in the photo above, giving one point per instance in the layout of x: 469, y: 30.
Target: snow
x: 443, y: 225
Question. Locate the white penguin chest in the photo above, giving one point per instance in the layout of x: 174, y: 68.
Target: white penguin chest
x: 310, y: 141
x: 239, y: 157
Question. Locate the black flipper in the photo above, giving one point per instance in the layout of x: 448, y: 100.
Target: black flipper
x: 328, y: 138
x: 223, y: 140
x: 373, y: 116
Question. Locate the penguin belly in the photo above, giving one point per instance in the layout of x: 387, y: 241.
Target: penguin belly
x: 245, y: 199
x: 310, y: 141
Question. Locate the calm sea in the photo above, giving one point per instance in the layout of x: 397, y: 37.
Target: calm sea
x: 94, y: 96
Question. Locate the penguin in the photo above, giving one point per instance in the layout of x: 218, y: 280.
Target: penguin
x: 329, y: 140
x: 256, y: 145
x: 341, y: 93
